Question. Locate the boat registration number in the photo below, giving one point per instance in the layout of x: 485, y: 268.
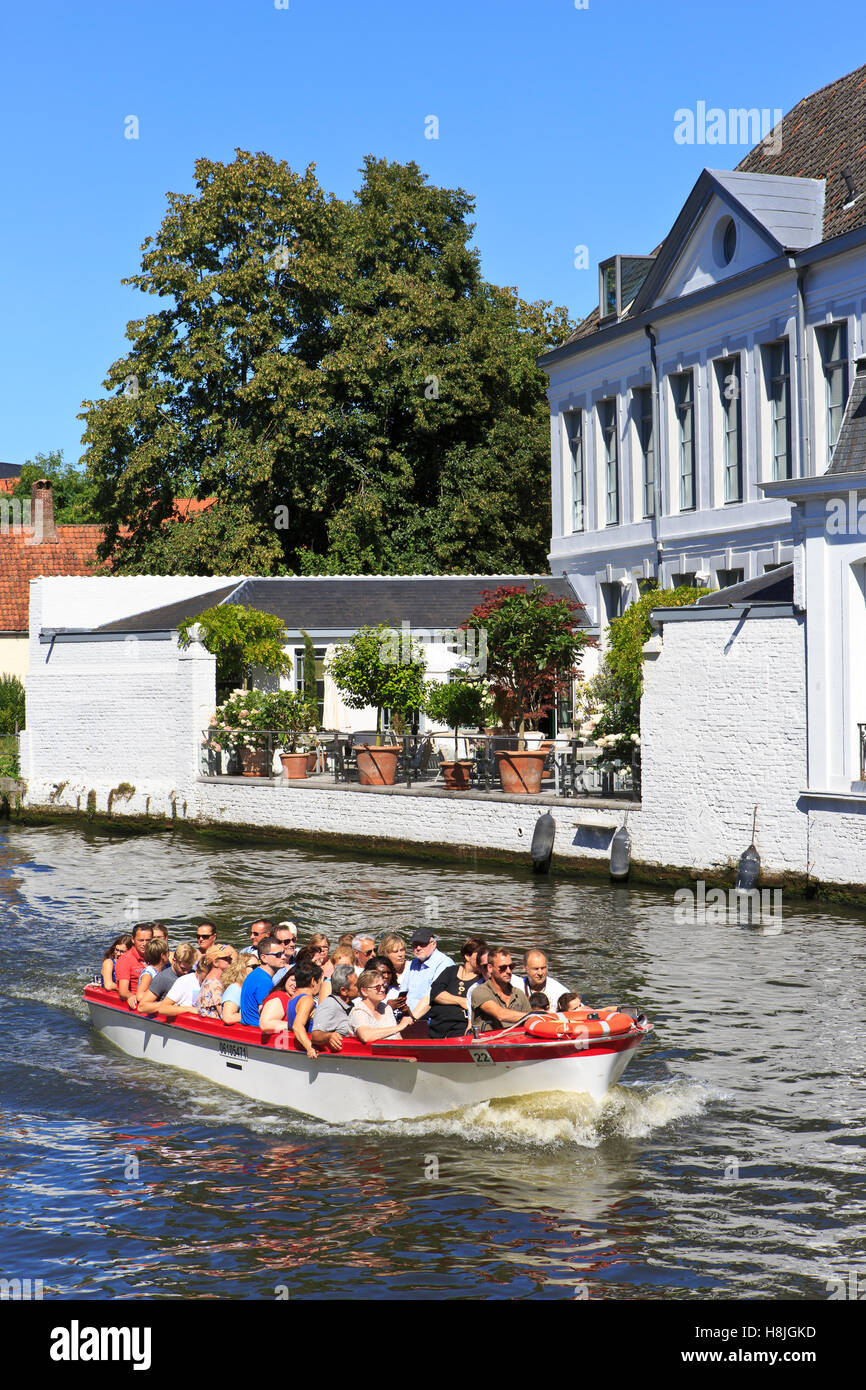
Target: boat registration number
x: 480, y: 1055
x: 228, y: 1049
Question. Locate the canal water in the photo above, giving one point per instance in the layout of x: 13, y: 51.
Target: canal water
x: 729, y: 1163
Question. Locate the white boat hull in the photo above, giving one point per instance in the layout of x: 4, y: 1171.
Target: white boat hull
x: 374, y: 1086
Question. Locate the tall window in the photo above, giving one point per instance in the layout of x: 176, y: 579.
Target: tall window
x: 311, y: 683
x: 833, y: 341
x: 730, y: 395
x: 684, y: 402
x: 779, y: 385
x: 610, y: 445
x: 644, y: 416
x: 574, y: 433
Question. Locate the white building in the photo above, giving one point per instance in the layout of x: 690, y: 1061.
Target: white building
x: 718, y: 364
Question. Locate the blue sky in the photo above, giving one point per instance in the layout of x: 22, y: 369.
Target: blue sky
x: 558, y: 120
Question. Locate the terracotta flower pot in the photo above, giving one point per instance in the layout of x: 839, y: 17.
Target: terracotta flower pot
x: 377, y: 767
x: 256, y: 762
x: 520, y: 772
x: 457, y: 775
x: 312, y: 762
x: 294, y: 764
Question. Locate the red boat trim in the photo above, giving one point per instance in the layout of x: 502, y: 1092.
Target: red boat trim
x: 518, y: 1047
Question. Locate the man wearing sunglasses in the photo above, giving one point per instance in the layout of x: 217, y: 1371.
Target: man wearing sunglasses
x: 260, y: 981
x: 262, y: 927
x: 497, y: 1004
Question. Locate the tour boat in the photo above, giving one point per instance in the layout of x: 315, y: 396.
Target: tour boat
x: 400, y: 1080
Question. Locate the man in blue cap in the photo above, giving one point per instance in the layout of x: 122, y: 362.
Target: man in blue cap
x: 427, y: 962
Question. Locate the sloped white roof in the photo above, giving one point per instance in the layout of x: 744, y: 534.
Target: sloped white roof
x: 791, y: 210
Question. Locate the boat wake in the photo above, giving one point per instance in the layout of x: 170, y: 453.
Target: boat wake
x: 553, y: 1119
x: 547, y: 1120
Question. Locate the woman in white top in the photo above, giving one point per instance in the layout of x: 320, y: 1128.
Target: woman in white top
x: 371, y: 1018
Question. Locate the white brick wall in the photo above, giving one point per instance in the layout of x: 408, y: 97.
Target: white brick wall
x: 723, y: 728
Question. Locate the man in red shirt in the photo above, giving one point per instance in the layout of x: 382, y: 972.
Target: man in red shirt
x: 127, y: 976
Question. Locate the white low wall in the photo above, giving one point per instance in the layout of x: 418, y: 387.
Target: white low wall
x: 724, y: 730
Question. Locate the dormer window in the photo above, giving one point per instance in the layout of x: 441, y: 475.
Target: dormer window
x: 619, y: 280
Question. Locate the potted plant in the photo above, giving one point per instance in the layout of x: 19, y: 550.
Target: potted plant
x: 533, y: 649
x: 292, y: 715
x: 382, y: 669
x: 455, y: 703
x: 245, y: 722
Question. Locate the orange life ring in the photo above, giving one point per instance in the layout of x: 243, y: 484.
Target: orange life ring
x: 579, y: 1023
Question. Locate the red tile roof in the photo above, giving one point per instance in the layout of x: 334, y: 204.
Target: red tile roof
x: 73, y: 552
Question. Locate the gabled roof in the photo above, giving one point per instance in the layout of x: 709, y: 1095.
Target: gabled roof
x: 777, y: 208
x: 823, y: 138
x: 10, y: 470
x: 347, y: 602
x: 72, y: 552
x: 849, y: 455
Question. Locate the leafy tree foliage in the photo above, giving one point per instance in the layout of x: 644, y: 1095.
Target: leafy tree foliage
x: 240, y: 639
x: 380, y: 668
x: 337, y: 374
x: 456, y: 703
x: 12, y: 705
x: 74, y: 500
x: 533, y: 648
x: 618, y: 687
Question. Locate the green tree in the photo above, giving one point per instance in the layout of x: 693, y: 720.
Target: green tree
x: 456, y: 703
x: 533, y: 648
x: 379, y: 667
x: 74, y: 495
x: 337, y: 373
x: 240, y: 639
x: 618, y: 687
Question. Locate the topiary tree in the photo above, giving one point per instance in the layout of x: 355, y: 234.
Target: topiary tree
x: 454, y: 703
x: 382, y: 668
x: 240, y: 639
x: 533, y: 648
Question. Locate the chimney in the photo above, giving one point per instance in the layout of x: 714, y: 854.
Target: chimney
x: 42, y: 510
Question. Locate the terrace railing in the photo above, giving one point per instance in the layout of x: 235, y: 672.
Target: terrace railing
x: 571, y: 768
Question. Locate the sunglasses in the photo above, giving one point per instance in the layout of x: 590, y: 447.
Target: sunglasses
x: 203, y: 935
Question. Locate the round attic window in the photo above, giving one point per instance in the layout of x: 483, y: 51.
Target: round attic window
x: 725, y: 240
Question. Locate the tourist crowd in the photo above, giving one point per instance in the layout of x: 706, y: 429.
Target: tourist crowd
x: 367, y: 989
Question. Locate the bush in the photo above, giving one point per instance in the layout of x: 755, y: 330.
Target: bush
x: 615, y: 693
x: 11, y: 705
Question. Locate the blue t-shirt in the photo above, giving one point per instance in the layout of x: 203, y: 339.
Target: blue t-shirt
x: 257, y: 984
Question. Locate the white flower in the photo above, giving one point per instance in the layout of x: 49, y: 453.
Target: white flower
x: 600, y: 742
x: 635, y: 738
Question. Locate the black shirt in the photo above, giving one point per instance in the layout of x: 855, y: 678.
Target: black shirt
x: 449, y: 1020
